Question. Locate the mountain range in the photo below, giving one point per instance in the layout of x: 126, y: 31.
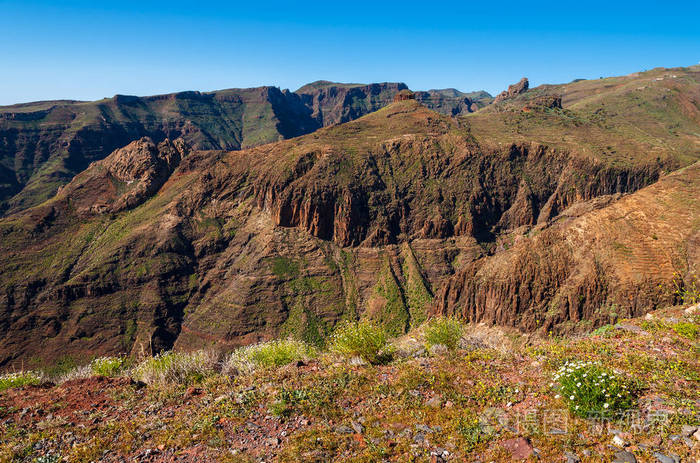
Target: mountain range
x: 222, y: 219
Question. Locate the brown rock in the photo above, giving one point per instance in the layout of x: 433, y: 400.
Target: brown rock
x: 519, y: 448
x: 604, y: 256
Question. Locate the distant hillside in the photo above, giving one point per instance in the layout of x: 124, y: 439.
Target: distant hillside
x: 44, y: 144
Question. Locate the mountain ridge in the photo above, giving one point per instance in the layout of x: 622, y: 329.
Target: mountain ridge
x: 44, y: 144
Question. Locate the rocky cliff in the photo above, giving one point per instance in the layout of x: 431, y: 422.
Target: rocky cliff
x: 395, y: 215
x: 601, y: 261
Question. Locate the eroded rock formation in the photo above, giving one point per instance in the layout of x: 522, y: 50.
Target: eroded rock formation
x: 513, y: 90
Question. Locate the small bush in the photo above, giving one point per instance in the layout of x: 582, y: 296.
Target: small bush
x: 472, y: 431
x: 47, y: 459
x: 361, y: 339
x: 20, y: 379
x: 103, y: 366
x: 287, y: 400
x: 591, y: 390
x: 268, y: 354
x: 108, y: 366
x: 443, y: 331
x: 65, y: 364
x: 177, y: 367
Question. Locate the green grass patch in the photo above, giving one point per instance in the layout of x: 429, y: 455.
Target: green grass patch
x: 108, y: 366
x: 604, y: 330
x: 687, y: 330
x: 471, y: 431
x: 285, y: 267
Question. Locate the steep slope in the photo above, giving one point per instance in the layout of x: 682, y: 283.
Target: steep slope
x: 334, y: 103
x: 371, y: 217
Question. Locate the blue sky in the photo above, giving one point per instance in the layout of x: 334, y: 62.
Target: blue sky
x: 94, y: 49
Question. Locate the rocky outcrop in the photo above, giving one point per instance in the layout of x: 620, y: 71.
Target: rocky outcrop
x: 404, y: 95
x: 518, y: 185
x: 335, y: 103
x: 49, y: 145
x: 542, y: 103
x: 125, y: 178
x: 513, y: 90
x: 452, y: 102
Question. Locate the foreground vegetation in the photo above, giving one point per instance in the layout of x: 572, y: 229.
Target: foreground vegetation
x: 445, y: 392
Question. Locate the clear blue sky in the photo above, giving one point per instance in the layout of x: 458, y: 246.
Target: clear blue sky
x: 93, y: 49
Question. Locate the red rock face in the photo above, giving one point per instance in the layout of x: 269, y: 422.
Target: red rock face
x: 126, y: 178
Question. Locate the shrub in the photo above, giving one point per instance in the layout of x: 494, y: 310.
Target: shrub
x: 47, y: 459
x: 108, y: 366
x: 287, y: 399
x: 20, y: 379
x: 103, y: 366
x: 443, y: 331
x: 471, y: 430
x: 177, y: 367
x: 60, y: 367
x: 591, y: 390
x: 688, y: 293
x: 82, y: 372
x: 361, y: 339
x: 268, y: 354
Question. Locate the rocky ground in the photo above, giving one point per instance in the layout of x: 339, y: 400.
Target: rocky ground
x: 491, y: 400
